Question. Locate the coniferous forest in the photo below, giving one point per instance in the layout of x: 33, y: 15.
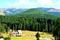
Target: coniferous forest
x: 33, y: 22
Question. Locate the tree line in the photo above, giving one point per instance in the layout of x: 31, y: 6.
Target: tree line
x: 30, y: 23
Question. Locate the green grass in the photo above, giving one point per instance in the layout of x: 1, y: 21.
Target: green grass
x: 29, y: 35
x: 22, y: 38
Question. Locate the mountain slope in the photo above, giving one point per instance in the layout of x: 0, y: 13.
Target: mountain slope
x: 36, y: 13
x: 33, y: 11
x: 13, y: 11
x: 52, y: 11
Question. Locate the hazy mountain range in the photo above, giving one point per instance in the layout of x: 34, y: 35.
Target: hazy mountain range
x: 13, y: 11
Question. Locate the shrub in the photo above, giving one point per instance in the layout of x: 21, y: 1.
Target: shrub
x: 37, y: 36
x: 7, y: 38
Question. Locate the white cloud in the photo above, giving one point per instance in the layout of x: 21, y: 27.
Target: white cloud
x: 45, y: 3
x: 8, y: 11
x: 57, y: 4
x: 21, y: 3
x: 38, y: 3
x: 24, y: 3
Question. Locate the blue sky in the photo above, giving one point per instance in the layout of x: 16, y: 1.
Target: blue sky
x: 29, y: 3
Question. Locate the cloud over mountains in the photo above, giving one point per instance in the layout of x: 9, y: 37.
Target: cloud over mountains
x: 33, y: 3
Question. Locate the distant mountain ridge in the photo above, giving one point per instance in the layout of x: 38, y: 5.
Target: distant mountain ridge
x: 54, y: 10
x: 36, y: 13
x: 13, y: 11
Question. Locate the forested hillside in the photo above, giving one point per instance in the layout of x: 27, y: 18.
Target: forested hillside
x: 36, y: 13
x: 32, y: 20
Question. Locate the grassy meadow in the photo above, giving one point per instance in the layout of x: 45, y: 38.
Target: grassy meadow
x: 29, y: 35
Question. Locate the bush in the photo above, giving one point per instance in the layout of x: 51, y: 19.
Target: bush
x: 7, y: 38
x: 37, y: 36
